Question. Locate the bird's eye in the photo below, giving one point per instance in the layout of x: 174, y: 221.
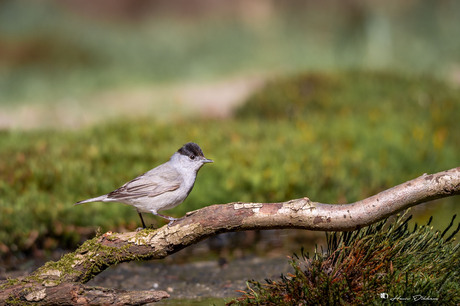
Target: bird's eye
x: 192, y: 156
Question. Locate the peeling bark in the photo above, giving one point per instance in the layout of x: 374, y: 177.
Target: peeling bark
x: 61, y: 282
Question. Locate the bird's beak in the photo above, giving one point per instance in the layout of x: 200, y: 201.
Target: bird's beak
x: 205, y: 161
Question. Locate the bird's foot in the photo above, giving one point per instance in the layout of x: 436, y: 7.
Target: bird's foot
x: 171, y: 219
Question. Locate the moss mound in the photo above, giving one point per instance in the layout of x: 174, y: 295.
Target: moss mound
x: 376, y: 265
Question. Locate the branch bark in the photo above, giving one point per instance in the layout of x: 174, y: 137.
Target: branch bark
x: 76, y: 294
x: 56, y: 279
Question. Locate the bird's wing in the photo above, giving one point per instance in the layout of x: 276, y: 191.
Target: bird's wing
x: 162, y: 179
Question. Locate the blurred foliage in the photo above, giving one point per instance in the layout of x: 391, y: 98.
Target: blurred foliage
x: 361, y: 125
x: 414, y: 265
x: 52, y: 51
x: 335, y: 138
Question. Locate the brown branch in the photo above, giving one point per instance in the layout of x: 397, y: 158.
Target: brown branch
x: 76, y: 293
x: 101, y: 252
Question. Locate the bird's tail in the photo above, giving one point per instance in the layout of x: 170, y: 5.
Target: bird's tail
x: 97, y: 199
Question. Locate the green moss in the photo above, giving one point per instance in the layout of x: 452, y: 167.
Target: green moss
x: 10, y: 282
x: 13, y: 300
x: 353, y: 93
x: 332, y: 137
x: 65, y: 266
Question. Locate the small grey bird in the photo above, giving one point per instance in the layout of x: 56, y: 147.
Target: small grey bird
x: 163, y: 187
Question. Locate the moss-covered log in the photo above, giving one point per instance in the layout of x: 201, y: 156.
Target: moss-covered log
x: 60, y: 281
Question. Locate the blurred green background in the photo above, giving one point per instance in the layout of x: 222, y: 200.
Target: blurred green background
x: 335, y: 100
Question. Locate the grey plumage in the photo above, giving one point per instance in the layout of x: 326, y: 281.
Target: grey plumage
x: 163, y: 187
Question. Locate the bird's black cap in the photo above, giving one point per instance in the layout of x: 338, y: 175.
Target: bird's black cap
x: 191, y: 149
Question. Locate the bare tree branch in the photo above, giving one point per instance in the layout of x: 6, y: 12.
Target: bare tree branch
x: 76, y: 293
x: 97, y: 254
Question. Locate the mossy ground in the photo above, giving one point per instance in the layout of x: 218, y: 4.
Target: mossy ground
x: 335, y: 138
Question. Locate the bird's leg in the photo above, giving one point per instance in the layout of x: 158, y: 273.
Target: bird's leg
x: 142, y: 220
x: 171, y: 219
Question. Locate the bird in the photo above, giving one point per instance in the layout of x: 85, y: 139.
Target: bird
x: 161, y: 188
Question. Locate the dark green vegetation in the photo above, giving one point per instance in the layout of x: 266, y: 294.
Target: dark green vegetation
x: 415, y: 265
x: 335, y: 138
